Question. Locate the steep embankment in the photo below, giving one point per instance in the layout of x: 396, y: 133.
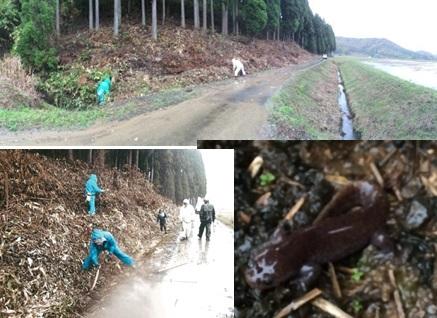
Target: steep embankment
x: 387, y: 107
x: 180, y: 56
x: 45, y: 231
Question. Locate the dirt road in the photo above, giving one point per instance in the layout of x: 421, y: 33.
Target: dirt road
x: 226, y: 110
x: 199, y: 281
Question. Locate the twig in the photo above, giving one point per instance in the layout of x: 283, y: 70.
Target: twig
x: 396, y: 295
x: 6, y: 190
x: 398, y: 193
x: 295, y: 304
x: 376, y: 173
x: 255, y: 165
x: 246, y: 218
x: 335, y: 284
x: 295, y: 208
x: 388, y: 157
x: 346, y: 270
x: 291, y: 182
x: 330, y: 308
x: 95, y: 279
x: 339, y: 180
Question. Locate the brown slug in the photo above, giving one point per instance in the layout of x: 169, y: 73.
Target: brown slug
x: 353, y: 218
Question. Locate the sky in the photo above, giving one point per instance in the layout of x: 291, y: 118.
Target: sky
x: 411, y: 24
x: 219, y: 168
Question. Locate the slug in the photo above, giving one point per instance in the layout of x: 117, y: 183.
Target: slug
x: 353, y: 218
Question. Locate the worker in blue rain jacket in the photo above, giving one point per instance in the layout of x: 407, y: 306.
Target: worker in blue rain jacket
x: 103, y: 89
x: 91, y: 190
x: 104, y: 241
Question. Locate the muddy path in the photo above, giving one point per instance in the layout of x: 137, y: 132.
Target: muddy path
x: 226, y: 110
x: 191, y: 278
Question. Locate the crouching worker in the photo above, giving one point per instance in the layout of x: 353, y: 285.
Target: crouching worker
x: 103, y: 89
x: 104, y: 241
x: 91, y: 190
x: 238, y: 68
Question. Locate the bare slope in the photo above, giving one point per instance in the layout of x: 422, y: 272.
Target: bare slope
x: 45, y: 231
x: 179, y: 57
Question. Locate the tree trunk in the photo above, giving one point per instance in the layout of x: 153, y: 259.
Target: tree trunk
x: 196, y: 15
x: 97, y: 15
x: 237, y: 27
x: 224, y: 18
x: 143, y: 12
x: 137, y: 158
x: 129, y: 158
x: 163, y: 12
x: 129, y: 6
x: 279, y: 26
x: 212, y: 17
x: 183, y: 13
x: 90, y: 156
x: 154, y: 21
x: 91, y: 14
x: 119, y: 12
x: 70, y: 155
x: 234, y: 17
x: 116, y: 18
x: 116, y: 159
x: 101, y: 158
x: 205, y: 15
x: 58, y: 19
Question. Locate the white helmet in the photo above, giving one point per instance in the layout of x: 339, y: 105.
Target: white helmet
x: 186, y: 201
x: 206, y: 198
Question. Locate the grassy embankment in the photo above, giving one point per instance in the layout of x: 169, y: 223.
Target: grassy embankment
x: 47, y: 116
x: 387, y: 107
x: 306, y: 106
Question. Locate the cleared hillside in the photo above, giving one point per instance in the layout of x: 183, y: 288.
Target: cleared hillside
x: 45, y: 231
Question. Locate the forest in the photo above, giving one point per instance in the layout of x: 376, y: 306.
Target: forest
x: 32, y: 28
x: 177, y: 174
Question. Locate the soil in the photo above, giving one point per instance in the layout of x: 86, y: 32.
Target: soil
x: 226, y: 110
x: 374, y: 283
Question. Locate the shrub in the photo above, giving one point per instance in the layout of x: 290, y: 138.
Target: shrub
x: 74, y: 88
x: 18, y: 86
x: 34, y: 37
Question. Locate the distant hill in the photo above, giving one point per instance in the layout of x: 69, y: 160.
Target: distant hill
x: 379, y: 48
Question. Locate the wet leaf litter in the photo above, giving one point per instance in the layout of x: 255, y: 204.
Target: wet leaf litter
x: 45, y: 231
x: 370, y: 282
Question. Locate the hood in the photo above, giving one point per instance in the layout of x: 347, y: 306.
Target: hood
x: 97, y: 234
x: 93, y: 177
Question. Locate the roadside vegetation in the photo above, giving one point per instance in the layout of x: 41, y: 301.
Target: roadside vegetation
x: 387, y: 107
x: 306, y: 107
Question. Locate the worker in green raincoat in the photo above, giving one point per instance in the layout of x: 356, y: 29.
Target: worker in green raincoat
x: 103, y: 89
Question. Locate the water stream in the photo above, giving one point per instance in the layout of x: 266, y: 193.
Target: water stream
x: 347, y: 130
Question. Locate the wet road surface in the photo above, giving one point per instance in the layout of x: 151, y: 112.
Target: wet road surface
x: 225, y: 110
x: 189, y: 279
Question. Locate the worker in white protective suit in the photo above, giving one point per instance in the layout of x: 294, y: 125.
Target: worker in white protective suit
x: 238, y: 67
x: 186, y: 215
